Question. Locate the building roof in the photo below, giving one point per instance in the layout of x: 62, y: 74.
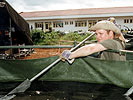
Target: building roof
x: 69, y: 12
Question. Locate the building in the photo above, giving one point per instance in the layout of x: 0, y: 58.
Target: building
x: 78, y: 19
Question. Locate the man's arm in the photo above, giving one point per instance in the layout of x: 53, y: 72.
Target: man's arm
x: 87, y: 50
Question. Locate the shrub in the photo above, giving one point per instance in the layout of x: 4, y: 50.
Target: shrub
x: 37, y: 36
x: 52, y: 38
x: 71, y: 37
x: 76, y: 37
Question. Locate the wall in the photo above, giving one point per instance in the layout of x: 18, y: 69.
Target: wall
x: 68, y: 28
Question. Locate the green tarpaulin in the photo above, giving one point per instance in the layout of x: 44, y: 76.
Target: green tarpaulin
x: 90, y: 70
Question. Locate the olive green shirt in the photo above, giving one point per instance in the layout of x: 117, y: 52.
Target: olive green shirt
x: 114, y: 45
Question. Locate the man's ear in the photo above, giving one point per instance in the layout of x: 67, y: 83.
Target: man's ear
x: 111, y: 34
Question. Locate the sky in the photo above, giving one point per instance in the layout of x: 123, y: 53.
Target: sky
x: 47, y: 5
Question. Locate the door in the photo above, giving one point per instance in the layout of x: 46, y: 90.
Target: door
x: 48, y: 27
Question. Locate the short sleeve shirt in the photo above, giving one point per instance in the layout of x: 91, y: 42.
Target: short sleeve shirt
x: 114, y: 45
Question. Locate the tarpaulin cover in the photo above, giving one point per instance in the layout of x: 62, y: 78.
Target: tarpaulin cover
x: 21, y: 27
x: 90, y: 70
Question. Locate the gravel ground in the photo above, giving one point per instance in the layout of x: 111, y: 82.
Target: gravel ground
x: 44, y: 53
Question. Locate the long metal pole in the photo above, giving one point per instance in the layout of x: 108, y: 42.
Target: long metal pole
x: 129, y: 92
x: 55, y: 62
x: 10, y: 30
x: 26, y: 84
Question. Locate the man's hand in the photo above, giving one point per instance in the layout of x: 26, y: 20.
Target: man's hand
x: 65, y: 56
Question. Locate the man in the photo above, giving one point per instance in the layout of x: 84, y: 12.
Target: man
x: 108, y: 36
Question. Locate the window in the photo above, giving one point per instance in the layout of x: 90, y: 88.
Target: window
x: 128, y: 20
x: 91, y: 23
x: 66, y: 22
x: 131, y: 20
x: 39, y: 25
x: 58, y: 24
x: 71, y: 22
x: 47, y: 26
x: 80, y: 23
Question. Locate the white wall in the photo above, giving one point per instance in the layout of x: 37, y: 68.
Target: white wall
x: 31, y: 23
x: 120, y: 21
x: 71, y: 28
x: 68, y: 28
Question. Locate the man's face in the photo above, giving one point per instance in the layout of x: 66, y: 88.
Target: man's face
x: 102, y: 35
